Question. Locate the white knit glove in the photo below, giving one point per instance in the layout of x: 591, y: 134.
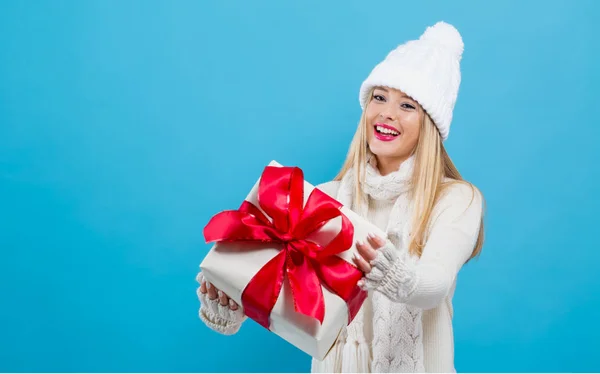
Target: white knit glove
x: 216, y: 316
x: 391, y: 274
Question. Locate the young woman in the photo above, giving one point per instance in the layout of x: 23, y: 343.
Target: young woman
x: 398, y: 175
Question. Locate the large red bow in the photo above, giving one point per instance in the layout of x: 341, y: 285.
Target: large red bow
x: 306, y: 263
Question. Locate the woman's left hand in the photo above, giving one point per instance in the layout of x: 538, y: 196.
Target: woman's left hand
x: 367, y: 252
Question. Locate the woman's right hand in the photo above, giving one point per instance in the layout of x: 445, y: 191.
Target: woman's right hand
x: 213, y: 293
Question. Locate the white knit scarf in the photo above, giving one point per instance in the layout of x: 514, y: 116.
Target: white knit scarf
x: 397, y: 328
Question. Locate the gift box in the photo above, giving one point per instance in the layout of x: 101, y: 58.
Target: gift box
x: 286, y: 256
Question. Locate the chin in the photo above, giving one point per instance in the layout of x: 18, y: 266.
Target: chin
x: 380, y: 151
x: 386, y: 153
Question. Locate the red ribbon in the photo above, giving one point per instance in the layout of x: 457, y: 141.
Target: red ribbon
x: 307, y: 264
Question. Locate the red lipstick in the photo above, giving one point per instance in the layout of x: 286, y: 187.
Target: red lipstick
x: 385, y: 132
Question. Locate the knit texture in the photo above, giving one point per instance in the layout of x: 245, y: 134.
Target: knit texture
x: 427, y: 69
x: 411, y: 298
x: 395, y: 347
x: 218, y: 317
x: 391, y: 275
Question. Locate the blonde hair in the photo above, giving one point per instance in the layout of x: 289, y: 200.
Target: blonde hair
x: 432, y: 166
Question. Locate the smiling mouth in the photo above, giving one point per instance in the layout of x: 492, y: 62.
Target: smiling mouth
x: 385, y: 132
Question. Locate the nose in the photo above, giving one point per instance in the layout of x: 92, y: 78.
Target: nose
x: 388, y: 113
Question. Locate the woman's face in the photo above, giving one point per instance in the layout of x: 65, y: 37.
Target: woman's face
x: 393, y: 126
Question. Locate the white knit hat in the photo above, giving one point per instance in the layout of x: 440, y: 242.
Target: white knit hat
x: 427, y: 69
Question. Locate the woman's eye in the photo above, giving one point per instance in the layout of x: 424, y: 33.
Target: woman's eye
x: 379, y: 97
x: 407, y: 106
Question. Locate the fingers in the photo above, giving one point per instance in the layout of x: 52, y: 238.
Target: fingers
x: 212, y: 291
x: 361, y: 264
x: 226, y: 301
x: 223, y: 298
x: 366, y: 251
x: 375, y: 241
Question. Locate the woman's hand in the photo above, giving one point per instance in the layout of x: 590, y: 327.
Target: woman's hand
x: 367, y: 252
x: 213, y: 293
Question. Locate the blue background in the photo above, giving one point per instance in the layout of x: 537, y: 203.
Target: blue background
x: 125, y: 125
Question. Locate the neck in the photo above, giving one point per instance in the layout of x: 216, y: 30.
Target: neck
x: 387, y: 165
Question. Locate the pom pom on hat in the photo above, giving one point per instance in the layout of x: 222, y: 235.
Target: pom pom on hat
x: 445, y: 34
x: 427, y: 69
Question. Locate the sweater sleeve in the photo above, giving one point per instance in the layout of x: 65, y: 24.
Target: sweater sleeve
x: 452, y: 237
x: 216, y: 316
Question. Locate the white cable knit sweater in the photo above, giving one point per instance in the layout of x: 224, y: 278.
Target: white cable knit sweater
x: 405, y: 325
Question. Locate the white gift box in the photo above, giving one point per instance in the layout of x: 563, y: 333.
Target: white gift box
x: 231, y: 265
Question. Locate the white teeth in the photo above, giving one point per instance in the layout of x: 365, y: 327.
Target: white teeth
x: 384, y: 130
